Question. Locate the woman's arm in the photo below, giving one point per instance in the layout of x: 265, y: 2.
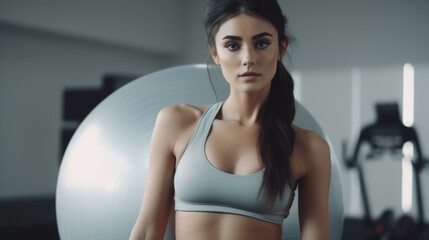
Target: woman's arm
x: 159, y: 191
x: 314, y: 189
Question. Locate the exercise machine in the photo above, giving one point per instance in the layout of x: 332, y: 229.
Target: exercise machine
x: 388, y: 135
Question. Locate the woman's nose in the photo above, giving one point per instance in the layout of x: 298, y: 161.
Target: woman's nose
x: 248, y: 58
x: 248, y: 63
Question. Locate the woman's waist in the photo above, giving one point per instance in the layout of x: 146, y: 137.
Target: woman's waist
x: 215, y: 226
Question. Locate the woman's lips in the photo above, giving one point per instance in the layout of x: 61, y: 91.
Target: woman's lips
x: 249, y: 76
x: 246, y: 74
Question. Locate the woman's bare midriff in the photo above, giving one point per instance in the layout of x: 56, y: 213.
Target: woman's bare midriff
x: 217, y: 226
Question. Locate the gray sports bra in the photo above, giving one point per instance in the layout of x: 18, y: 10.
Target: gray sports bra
x: 200, y: 187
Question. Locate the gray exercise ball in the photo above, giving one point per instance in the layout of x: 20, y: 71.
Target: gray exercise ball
x: 102, y: 175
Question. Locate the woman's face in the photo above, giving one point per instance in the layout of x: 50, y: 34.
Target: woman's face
x: 247, y: 50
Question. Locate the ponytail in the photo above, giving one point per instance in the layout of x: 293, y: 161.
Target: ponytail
x: 277, y: 138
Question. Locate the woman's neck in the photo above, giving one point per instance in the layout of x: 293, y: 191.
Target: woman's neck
x: 243, y: 108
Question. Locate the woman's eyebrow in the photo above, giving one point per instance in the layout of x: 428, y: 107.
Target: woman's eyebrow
x: 232, y: 38
x: 237, y: 38
x: 260, y: 35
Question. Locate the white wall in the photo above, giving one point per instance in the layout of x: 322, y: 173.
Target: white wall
x: 34, y: 70
x: 346, y: 34
x: 149, y: 25
x: 328, y: 96
x: 47, y: 46
x: 338, y: 41
x: 196, y: 42
x: 421, y: 73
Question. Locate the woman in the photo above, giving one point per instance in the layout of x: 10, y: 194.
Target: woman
x: 231, y: 169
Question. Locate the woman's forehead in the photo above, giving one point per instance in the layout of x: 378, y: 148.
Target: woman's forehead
x: 245, y: 25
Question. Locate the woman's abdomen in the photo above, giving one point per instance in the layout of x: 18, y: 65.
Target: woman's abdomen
x: 217, y: 226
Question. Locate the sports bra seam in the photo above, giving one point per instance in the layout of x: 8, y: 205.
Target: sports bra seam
x: 227, y: 206
x: 267, y: 217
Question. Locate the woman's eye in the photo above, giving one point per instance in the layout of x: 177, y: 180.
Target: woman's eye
x: 232, y: 46
x: 262, y: 44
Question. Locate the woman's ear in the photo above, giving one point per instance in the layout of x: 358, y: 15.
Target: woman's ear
x: 283, y: 48
x: 214, y: 55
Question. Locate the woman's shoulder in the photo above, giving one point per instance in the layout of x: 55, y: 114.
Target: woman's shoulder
x: 174, y: 123
x: 311, y: 147
x: 308, y: 139
x: 179, y: 115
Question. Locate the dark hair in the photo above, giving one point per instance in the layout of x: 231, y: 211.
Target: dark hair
x: 277, y: 138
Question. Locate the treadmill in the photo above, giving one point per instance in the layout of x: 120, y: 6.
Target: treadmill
x: 389, y: 134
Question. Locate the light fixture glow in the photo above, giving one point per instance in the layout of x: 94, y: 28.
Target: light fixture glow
x: 408, y: 148
x: 407, y: 177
